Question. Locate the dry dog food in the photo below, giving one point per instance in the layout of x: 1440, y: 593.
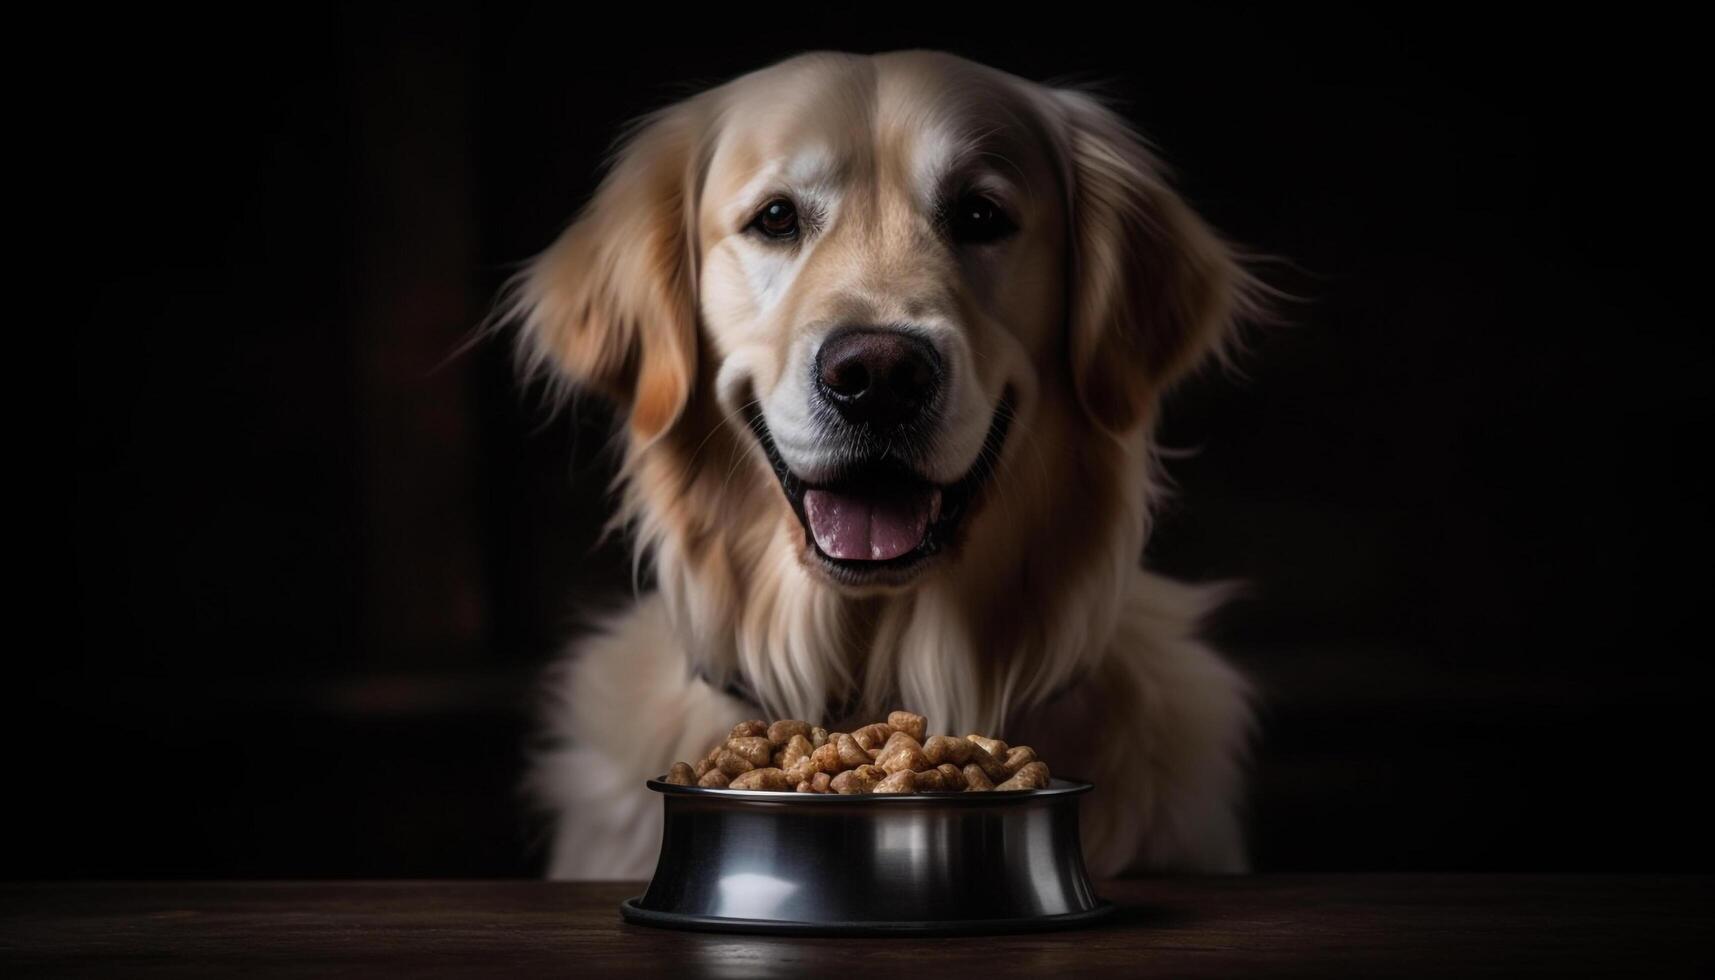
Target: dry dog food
x: 893, y: 756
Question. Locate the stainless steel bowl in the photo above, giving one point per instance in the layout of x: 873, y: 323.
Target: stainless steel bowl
x: 916, y: 864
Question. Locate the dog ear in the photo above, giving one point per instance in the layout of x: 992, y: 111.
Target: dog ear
x: 1154, y: 290
x: 611, y: 305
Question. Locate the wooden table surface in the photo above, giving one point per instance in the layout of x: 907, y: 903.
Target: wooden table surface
x: 1320, y: 925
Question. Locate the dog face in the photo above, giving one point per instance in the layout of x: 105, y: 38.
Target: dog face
x: 882, y: 268
x: 899, y: 283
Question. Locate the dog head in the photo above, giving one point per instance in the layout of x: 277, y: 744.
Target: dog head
x: 915, y: 307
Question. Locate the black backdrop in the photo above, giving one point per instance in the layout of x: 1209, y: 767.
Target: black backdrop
x: 317, y: 560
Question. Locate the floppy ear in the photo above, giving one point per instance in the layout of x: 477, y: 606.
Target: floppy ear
x: 611, y: 305
x: 1154, y: 290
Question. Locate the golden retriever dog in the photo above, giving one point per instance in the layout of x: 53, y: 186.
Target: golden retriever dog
x: 888, y: 335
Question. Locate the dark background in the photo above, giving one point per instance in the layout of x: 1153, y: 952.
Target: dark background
x: 317, y: 564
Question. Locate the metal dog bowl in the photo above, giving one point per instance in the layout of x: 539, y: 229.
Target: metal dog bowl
x: 917, y: 864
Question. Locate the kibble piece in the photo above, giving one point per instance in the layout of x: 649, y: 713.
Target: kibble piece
x: 952, y: 777
x: 713, y: 779
x: 902, y: 752
x: 801, y: 770
x: 804, y: 787
x: 827, y: 758
x: 818, y: 736
x: 993, y: 746
x: 903, y: 781
x: 749, y: 729
x: 992, y: 767
x: 945, y: 748
x: 977, y: 781
x: 859, y: 780
x: 914, y: 725
x: 782, y: 731
x: 796, y: 748
x: 851, y: 754
x: 1033, y: 775
x: 821, y: 782
x: 1019, y: 757
x: 732, y: 763
x: 702, y: 767
x: 872, y: 737
x: 930, y: 781
x: 681, y: 775
x: 764, y: 779
x: 756, y: 750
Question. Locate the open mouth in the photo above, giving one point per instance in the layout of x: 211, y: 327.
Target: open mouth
x: 879, y: 520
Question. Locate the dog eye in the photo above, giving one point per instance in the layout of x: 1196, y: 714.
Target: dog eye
x: 778, y: 219
x: 976, y: 220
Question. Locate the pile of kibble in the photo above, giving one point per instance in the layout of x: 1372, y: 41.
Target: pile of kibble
x: 891, y: 756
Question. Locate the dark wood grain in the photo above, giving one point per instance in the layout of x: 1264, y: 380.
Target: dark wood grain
x: 1352, y: 925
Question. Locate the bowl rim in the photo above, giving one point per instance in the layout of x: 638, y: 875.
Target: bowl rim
x: 1056, y: 787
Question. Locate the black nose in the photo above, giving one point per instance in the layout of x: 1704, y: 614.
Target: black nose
x: 878, y: 377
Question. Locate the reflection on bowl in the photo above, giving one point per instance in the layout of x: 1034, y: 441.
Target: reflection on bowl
x: 876, y: 864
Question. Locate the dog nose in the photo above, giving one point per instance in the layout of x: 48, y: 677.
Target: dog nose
x: 878, y: 377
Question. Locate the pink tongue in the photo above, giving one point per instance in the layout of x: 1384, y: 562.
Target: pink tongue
x: 869, y: 527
